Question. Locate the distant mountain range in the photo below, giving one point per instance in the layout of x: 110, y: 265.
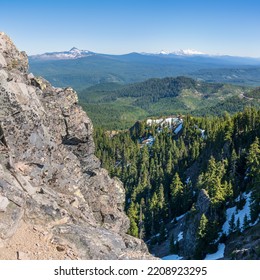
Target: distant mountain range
x: 84, y: 68
x: 75, y: 53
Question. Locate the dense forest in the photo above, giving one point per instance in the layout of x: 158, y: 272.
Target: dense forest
x: 115, y: 106
x: 162, y: 177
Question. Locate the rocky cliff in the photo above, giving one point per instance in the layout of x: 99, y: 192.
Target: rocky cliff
x: 53, y: 193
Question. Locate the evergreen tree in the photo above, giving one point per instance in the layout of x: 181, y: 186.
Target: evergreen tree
x: 218, y: 163
x: 232, y: 224
x: 133, y: 217
x: 201, y: 241
x: 202, y: 229
x: 176, y: 188
x: 255, y: 203
x: 163, y: 233
x: 172, y: 245
x: 253, y: 160
x: 245, y: 223
x: 237, y: 228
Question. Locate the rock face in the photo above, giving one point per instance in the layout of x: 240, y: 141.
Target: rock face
x: 191, y: 223
x: 184, y: 229
x: 49, y: 175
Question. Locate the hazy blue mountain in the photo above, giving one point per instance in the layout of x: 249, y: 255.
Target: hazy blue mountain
x: 80, y: 69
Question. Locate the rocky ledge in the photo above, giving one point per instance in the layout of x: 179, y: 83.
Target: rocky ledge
x: 50, y: 178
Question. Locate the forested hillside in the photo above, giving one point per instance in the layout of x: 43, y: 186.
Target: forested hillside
x: 164, y: 176
x: 114, y: 106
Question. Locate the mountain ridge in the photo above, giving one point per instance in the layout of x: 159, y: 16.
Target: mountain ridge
x: 84, y: 70
x: 180, y: 52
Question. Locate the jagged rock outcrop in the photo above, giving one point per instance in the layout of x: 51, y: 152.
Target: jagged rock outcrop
x: 184, y: 229
x: 243, y: 246
x: 191, y: 223
x: 49, y: 175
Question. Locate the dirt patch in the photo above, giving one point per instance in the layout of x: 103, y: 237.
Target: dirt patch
x: 34, y: 243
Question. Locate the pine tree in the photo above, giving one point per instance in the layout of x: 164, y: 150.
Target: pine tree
x: 245, y: 223
x: 233, y: 164
x: 176, y: 189
x: 133, y: 217
x: 163, y: 233
x: 201, y: 243
x: 237, y: 228
x: 255, y: 203
x: 172, y: 245
x: 253, y: 163
x: 232, y: 224
x: 253, y: 160
x: 202, y: 229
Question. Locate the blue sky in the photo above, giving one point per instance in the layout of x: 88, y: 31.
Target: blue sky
x: 113, y: 26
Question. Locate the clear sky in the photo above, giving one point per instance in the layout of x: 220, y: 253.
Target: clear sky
x: 122, y: 26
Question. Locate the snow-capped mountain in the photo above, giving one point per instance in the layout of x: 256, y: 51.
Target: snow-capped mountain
x: 73, y: 53
x: 188, y: 52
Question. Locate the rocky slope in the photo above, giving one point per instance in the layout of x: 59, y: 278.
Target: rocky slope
x: 49, y: 177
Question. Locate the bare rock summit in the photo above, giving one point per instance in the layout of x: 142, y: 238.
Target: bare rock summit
x: 49, y: 175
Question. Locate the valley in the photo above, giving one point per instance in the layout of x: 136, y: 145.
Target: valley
x: 185, y: 147
x: 118, y: 106
x: 191, y: 183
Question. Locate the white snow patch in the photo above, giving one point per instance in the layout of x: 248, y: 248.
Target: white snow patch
x: 163, y: 52
x: 180, y: 236
x: 188, y: 52
x: 179, y: 217
x: 178, y: 129
x: 188, y: 180
x: 218, y: 255
x: 239, y: 214
x: 151, y: 121
x: 258, y: 219
x: 170, y: 121
x: 202, y: 133
x: 172, y: 257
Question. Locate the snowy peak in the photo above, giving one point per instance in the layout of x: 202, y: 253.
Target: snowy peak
x: 73, y: 53
x: 188, y: 52
x: 163, y: 52
x: 75, y: 50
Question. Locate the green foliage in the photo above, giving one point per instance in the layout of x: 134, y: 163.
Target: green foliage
x: 253, y: 164
x: 255, y: 93
x: 224, y: 162
x: 202, y: 229
x: 253, y: 161
x: 176, y: 194
x: 115, y: 106
x: 201, y: 238
x: 132, y: 214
